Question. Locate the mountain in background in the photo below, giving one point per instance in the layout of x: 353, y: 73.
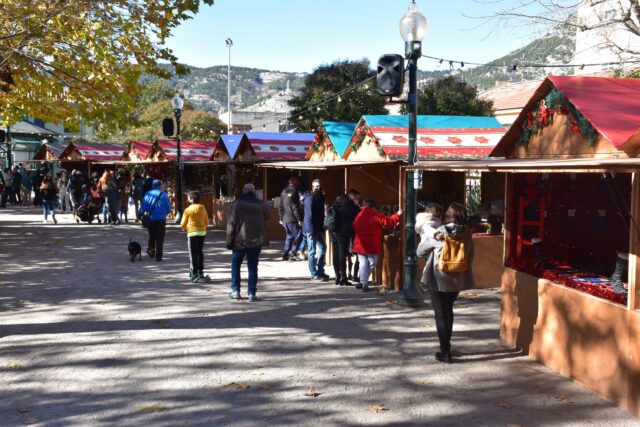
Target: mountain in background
x: 264, y: 90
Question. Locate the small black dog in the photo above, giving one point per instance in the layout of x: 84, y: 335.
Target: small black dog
x: 135, y: 250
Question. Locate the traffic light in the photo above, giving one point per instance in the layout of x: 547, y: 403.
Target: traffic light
x: 167, y: 127
x: 390, y: 77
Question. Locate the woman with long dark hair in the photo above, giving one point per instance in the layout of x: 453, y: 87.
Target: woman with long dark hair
x: 448, y: 272
x: 49, y: 193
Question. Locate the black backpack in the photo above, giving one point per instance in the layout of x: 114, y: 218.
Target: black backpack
x: 331, y: 222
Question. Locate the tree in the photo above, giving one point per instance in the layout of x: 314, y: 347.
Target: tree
x: 606, y: 17
x: 194, y: 125
x: 68, y: 61
x: 451, y: 97
x: 313, y: 106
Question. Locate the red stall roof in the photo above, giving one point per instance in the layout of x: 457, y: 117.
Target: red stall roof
x: 190, y: 150
x: 142, y: 148
x: 280, y: 146
x: 611, y: 105
x: 99, y: 151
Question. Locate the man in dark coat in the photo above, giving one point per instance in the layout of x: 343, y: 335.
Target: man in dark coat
x: 291, y: 217
x: 345, y: 212
x: 246, y: 235
x: 313, y: 229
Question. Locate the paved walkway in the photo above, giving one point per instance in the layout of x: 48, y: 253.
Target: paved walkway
x: 88, y: 338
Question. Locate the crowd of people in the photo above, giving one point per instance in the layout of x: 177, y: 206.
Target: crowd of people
x: 355, y: 228
x: 104, y: 198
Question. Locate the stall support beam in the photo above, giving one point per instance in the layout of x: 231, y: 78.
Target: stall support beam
x: 410, y: 294
x: 634, y: 245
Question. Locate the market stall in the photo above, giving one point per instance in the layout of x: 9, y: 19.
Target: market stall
x: 83, y: 155
x: 244, y: 153
x: 573, y: 203
x: 383, y: 139
x: 330, y: 141
x: 197, y: 168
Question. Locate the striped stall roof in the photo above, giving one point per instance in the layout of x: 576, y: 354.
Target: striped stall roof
x: 280, y: 146
x: 100, y: 151
x: 190, y: 150
x: 438, y: 137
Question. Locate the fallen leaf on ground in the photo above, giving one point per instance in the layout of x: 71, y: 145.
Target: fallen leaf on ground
x: 468, y: 294
x: 101, y: 302
x: 377, y: 408
x: 31, y: 420
x: 426, y: 381
x: 311, y: 392
x: 505, y: 405
x: 257, y: 373
x: 58, y: 241
x: 460, y: 305
x: 389, y: 302
x: 15, y: 366
x: 563, y: 399
x: 265, y: 386
x: 259, y: 366
x: 242, y: 386
x: 159, y: 321
x: 24, y: 410
x: 154, y: 407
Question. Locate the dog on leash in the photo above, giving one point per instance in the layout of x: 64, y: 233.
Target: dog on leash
x: 135, y: 250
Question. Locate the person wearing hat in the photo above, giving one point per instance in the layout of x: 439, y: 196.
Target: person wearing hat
x: 156, y: 204
x: 246, y: 235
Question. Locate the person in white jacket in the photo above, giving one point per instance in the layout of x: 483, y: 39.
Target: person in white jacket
x: 427, y: 222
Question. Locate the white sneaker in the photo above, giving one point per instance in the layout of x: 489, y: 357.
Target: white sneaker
x: 44, y: 222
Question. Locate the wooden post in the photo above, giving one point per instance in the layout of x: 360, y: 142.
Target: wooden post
x: 634, y: 245
x: 346, y: 179
x: 508, y: 215
x: 265, y: 181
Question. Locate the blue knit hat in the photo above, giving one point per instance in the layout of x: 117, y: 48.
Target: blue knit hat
x: 157, y: 183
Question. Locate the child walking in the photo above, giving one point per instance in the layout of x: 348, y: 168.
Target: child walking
x: 194, y: 221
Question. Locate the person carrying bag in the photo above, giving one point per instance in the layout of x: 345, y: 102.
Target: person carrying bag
x: 153, y: 213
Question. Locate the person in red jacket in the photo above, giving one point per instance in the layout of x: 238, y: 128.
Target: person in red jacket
x: 367, y: 244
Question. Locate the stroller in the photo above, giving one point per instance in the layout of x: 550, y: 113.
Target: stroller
x: 89, y: 210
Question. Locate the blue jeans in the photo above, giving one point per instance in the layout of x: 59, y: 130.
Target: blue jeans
x: 316, y: 241
x: 252, y: 254
x: 49, y: 207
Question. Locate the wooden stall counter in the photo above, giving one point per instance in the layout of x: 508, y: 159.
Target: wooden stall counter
x: 275, y: 231
x: 220, y: 210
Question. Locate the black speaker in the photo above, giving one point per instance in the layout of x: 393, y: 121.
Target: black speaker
x: 167, y: 127
x: 390, y: 76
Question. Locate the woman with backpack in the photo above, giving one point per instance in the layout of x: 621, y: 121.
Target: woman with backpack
x: 448, y: 271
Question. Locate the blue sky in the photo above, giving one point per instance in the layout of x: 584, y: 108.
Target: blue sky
x: 299, y: 35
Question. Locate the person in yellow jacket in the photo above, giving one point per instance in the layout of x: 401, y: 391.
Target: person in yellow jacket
x: 194, y: 221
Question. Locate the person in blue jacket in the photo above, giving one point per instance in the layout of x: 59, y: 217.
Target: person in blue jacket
x: 156, y: 204
x: 313, y: 229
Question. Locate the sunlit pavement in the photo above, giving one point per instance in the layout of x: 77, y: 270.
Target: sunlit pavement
x: 89, y: 338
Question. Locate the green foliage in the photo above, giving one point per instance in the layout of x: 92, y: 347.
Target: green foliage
x: 154, y: 91
x: 73, y: 61
x: 328, y: 80
x: 201, y: 126
x: 452, y: 97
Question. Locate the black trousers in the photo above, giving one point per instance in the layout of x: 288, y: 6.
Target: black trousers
x: 156, y: 238
x: 196, y: 256
x: 442, y: 303
x: 340, y: 247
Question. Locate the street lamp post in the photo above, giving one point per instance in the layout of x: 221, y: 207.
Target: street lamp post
x: 229, y: 43
x: 177, y: 103
x: 8, y: 142
x: 413, y: 27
